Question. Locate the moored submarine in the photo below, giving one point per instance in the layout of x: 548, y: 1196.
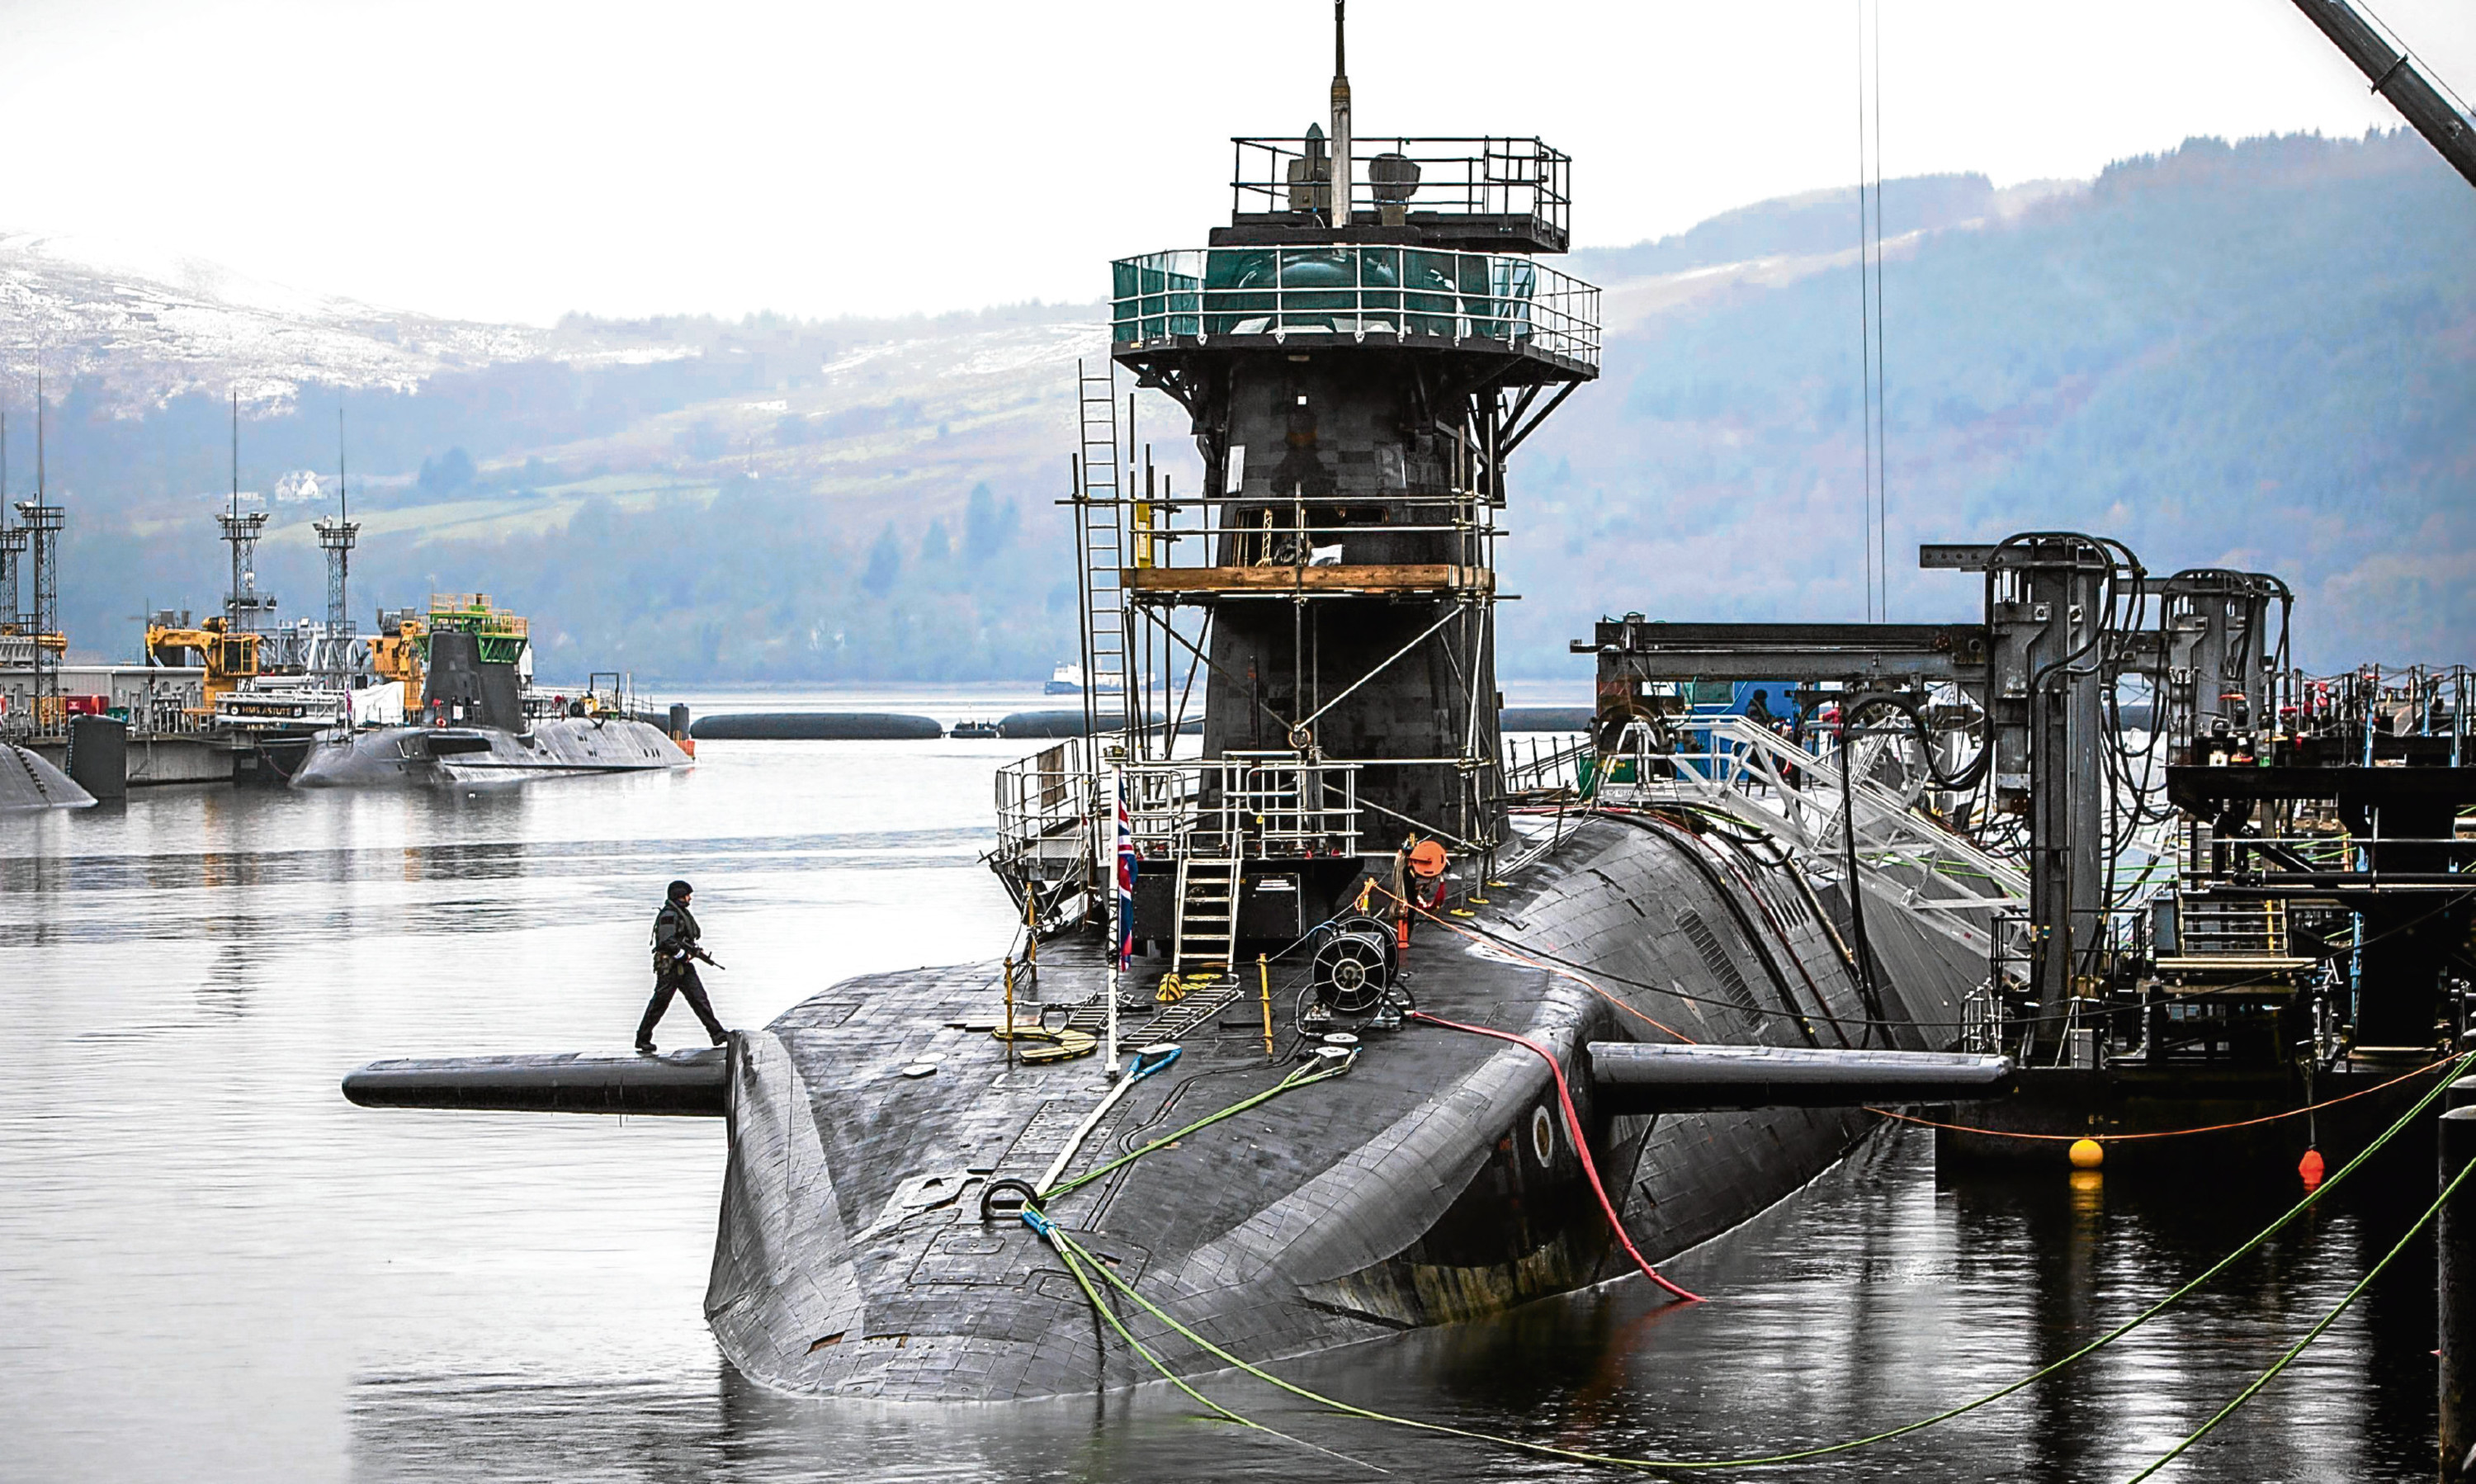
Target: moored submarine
x: 481, y: 721
x: 1295, y: 1090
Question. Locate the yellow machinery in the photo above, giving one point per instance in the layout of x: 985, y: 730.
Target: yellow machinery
x: 229, y: 659
x: 49, y: 710
x: 499, y: 636
x: 397, y: 657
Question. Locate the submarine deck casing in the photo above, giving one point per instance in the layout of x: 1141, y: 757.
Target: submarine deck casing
x: 1433, y: 1184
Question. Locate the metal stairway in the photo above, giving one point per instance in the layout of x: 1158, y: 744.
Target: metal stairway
x: 1207, y: 918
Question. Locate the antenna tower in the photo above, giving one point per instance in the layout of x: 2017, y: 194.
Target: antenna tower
x: 336, y: 539
x: 40, y: 525
x: 243, y: 603
x: 12, y: 543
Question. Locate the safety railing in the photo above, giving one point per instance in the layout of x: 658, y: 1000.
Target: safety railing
x: 2207, y: 855
x: 173, y: 710
x: 1556, y: 767
x: 1410, y: 295
x: 2208, y: 928
x: 1242, y: 806
x: 1047, y: 795
x: 1511, y: 187
x: 474, y: 614
x: 1055, y: 827
x: 1259, y: 528
x: 1796, y: 795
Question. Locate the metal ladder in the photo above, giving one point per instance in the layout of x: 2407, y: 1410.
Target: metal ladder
x: 1207, y: 917
x: 1099, y: 535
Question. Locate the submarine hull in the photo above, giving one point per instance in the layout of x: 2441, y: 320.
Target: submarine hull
x: 417, y: 756
x: 1435, y: 1182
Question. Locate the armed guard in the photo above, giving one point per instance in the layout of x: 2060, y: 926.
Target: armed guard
x: 675, y: 955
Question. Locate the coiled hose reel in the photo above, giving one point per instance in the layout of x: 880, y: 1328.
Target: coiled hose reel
x: 1353, y: 965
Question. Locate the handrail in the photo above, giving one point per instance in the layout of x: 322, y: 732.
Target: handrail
x: 1050, y: 808
x: 1436, y: 178
x: 1242, y: 806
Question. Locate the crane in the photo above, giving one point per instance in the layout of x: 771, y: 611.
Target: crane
x: 2396, y: 77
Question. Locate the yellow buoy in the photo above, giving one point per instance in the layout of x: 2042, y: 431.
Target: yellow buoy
x: 2087, y: 1154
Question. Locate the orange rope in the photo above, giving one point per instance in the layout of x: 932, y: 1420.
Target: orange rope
x: 1556, y: 970
x: 2167, y: 1133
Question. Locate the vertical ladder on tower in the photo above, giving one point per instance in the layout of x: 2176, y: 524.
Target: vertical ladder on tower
x: 1099, y: 535
x: 1207, y: 918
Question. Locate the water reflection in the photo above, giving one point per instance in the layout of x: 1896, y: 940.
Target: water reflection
x: 1879, y: 1296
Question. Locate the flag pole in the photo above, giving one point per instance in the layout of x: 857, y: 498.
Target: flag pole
x: 1118, y: 886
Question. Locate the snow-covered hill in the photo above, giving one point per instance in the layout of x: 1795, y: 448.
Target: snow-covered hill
x: 147, y: 331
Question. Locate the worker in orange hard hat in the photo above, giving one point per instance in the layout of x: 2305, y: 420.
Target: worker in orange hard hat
x: 1418, y: 882
x: 1427, y: 861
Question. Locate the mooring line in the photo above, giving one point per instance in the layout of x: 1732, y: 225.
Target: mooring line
x: 1066, y: 1248
x: 2313, y: 1333
x: 1302, y: 1077
x: 1062, y: 1242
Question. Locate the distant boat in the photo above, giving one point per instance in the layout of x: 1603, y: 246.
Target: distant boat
x: 1068, y: 681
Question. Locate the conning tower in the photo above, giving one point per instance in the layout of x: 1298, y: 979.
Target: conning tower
x: 1360, y: 350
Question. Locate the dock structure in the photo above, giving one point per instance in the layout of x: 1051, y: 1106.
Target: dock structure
x: 2247, y: 895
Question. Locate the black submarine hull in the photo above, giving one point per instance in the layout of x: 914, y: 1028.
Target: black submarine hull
x: 1436, y: 1182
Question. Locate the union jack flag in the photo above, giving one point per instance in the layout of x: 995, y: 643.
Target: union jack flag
x: 1126, y: 914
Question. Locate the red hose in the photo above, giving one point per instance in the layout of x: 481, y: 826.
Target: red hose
x: 1581, y: 1145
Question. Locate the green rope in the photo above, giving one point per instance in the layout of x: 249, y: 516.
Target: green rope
x: 1042, y: 1225
x: 1302, y: 1077
x: 2313, y: 1333
x: 1063, y: 1243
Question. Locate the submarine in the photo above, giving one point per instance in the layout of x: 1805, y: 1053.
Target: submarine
x: 1334, y: 1025
x: 483, y: 721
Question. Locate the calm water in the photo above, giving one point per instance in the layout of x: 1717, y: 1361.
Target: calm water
x: 213, y: 1268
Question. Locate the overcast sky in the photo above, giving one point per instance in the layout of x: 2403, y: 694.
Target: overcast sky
x: 514, y: 160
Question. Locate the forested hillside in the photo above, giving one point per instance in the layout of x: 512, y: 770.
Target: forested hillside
x: 2261, y: 356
